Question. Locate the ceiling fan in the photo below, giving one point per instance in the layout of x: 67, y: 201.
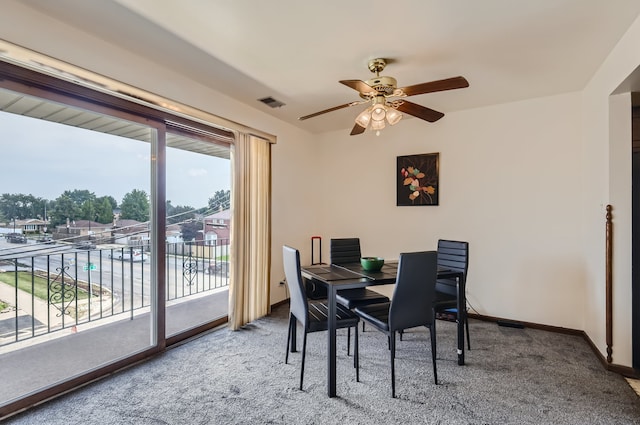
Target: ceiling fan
x: 387, y: 101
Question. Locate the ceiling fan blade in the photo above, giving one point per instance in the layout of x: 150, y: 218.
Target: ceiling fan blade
x: 335, y: 108
x: 434, y: 86
x: 419, y: 111
x: 357, y: 129
x: 359, y: 86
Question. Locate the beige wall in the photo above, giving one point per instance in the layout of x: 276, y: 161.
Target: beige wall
x: 607, y: 181
x: 509, y: 184
x: 525, y: 183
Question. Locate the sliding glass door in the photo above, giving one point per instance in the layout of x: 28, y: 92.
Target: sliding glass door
x: 198, y: 222
x: 74, y: 196
x: 114, y: 233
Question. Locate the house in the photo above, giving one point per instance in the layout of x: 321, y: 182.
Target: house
x: 525, y: 178
x: 130, y: 232
x: 30, y: 225
x: 174, y: 234
x: 83, y: 229
x: 217, y: 227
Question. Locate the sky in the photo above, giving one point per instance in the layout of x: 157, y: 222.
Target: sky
x: 44, y: 159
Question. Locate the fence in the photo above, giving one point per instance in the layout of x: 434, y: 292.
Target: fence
x: 46, y: 288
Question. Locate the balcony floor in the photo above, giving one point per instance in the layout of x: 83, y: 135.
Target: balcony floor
x: 36, y: 366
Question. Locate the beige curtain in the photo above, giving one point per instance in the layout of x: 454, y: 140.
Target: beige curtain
x: 250, y: 230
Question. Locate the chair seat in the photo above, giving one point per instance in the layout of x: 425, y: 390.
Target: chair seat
x: 443, y: 301
x: 318, y: 316
x: 353, y: 298
x: 376, y: 314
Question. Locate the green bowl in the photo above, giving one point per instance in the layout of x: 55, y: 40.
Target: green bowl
x: 372, y: 264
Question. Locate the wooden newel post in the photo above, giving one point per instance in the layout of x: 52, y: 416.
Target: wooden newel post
x: 609, y: 284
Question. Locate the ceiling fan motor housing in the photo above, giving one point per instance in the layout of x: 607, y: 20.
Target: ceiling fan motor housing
x: 383, y: 85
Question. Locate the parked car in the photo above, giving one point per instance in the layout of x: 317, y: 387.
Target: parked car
x: 85, y: 245
x: 125, y: 255
x: 219, y: 267
x: 16, y: 238
x: 46, y: 239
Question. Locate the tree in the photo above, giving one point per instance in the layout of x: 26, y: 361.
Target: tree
x: 190, y: 229
x: 80, y: 196
x: 180, y: 213
x: 65, y: 208
x: 135, y: 206
x: 104, y: 210
x: 221, y: 200
x: 21, y: 206
x: 88, y: 210
x: 112, y: 201
x: 98, y: 209
x: 73, y: 205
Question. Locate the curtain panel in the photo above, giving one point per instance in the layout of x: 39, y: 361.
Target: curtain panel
x: 250, y: 230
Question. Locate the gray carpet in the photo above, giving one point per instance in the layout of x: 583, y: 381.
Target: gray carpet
x: 512, y: 376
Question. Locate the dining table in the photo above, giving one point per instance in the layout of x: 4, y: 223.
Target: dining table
x: 348, y: 276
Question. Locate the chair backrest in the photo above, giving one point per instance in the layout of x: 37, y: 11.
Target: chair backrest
x: 299, y: 305
x: 345, y: 250
x: 453, y: 255
x: 414, y: 293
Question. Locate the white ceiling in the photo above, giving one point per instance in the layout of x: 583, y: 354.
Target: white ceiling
x: 296, y: 51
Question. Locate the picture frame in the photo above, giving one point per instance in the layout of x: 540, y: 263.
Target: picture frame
x: 417, y: 179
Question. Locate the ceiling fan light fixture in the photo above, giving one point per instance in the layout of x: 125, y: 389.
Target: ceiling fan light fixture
x: 379, y: 112
x: 393, y: 116
x: 364, y: 118
x: 377, y: 124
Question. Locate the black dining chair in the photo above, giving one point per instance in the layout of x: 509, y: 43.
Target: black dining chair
x: 312, y: 314
x: 452, y: 255
x: 411, y: 304
x: 347, y: 251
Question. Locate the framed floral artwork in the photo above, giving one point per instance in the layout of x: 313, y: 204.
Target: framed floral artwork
x: 417, y: 178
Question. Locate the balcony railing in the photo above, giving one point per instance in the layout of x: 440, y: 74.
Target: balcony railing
x: 46, y: 288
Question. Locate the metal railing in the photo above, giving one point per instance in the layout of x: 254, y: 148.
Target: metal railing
x: 46, y: 288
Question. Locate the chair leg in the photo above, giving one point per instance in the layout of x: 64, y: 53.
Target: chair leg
x: 355, y: 350
x: 304, y: 352
x: 286, y: 357
x: 363, y: 326
x: 294, y: 333
x: 466, y: 325
x: 349, y: 340
x: 392, y: 339
x: 432, y: 331
x: 356, y: 355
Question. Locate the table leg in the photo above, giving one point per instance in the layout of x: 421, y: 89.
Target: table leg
x: 331, y: 358
x: 461, y: 306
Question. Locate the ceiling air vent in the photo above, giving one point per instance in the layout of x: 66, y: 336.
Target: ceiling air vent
x: 271, y: 102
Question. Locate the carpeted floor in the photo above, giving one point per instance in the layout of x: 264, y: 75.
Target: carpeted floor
x: 512, y: 376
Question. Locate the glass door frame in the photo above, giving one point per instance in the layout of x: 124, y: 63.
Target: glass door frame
x: 37, y: 84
